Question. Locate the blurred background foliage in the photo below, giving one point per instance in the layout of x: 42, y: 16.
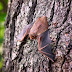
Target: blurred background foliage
x: 3, y: 12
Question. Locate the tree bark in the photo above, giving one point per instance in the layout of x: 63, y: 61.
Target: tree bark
x: 24, y: 56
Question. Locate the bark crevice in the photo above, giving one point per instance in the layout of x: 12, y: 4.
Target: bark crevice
x: 52, y: 12
x: 31, y: 12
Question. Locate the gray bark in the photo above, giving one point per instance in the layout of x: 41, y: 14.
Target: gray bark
x: 24, y: 56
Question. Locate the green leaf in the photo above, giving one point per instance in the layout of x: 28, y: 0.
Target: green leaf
x: 1, y: 61
x: 1, y: 32
x: 2, y: 17
x: 6, y: 1
x: 1, y: 6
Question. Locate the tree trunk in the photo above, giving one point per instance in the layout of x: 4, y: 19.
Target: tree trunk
x: 24, y: 56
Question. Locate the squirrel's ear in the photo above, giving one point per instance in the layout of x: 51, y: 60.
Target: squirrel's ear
x: 44, y: 45
x: 24, y: 32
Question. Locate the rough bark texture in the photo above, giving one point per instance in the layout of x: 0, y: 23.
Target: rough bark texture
x: 24, y: 56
